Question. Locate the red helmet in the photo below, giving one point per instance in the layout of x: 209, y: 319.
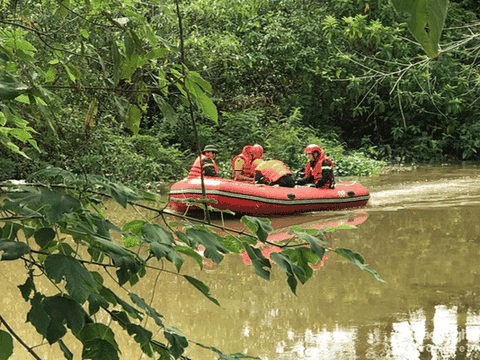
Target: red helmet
x: 310, y: 149
x: 256, y: 151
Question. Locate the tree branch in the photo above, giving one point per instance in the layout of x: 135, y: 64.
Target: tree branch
x: 10, y: 330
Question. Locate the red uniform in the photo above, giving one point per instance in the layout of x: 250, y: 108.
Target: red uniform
x: 319, y: 170
x: 245, y: 163
x: 316, y: 172
x: 207, y: 162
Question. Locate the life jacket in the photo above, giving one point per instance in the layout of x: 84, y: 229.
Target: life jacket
x: 196, y: 168
x: 316, y: 172
x: 248, y: 168
x: 272, y: 170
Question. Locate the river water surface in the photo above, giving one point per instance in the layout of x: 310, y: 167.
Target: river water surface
x: 420, y: 232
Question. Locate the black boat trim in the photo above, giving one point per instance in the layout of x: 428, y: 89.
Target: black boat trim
x: 260, y: 199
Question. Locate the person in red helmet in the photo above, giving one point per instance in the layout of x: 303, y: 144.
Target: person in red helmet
x: 208, y: 164
x: 243, y: 165
x: 319, y: 168
x: 274, y: 172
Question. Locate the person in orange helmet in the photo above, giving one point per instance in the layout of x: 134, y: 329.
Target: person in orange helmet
x: 243, y: 165
x: 319, y: 168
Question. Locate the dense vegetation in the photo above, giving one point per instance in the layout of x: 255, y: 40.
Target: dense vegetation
x: 345, y: 74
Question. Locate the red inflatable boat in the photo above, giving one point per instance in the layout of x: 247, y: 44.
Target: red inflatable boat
x: 246, y: 198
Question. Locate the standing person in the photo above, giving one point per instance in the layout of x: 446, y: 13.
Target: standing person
x: 243, y: 165
x: 208, y: 164
x: 274, y: 172
x: 319, y: 168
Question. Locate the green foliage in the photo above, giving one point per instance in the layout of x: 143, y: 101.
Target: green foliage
x: 7, y: 169
x: 75, y: 248
x: 426, y: 20
x: 6, y: 344
x: 350, y: 69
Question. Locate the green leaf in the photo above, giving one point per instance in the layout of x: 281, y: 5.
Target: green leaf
x: 66, y: 351
x: 4, y: 55
x: 160, y: 242
x: 156, y: 233
x: 44, y: 236
x: 259, y: 226
x: 58, y: 204
x: 313, y: 241
x: 10, y: 89
x: 167, y: 251
x: 357, y: 259
x: 24, y: 99
x: 126, y: 307
x: 302, y: 257
x: 166, y: 109
x: 62, y: 9
x: 152, y: 312
x: 157, y: 53
x: 204, y: 289
x: 62, y: 310
x: 129, y: 45
x: 203, y: 101
x: 79, y: 282
x: 6, y: 345
x: 130, y: 241
x: 117, y: 63
x: 142, y: 335
x: 191, y: 253
x: 134, y: 116
x: 92, y: 332
x: 213, y: 248
x: 99, y: 349
x: 50, y: 74
x: 134, y: 226
x: 70, y: 73
x: 127, y: 262
x: 37, y: 315
x: 286, y: 264
x: 197, y: 78
x: 95, y: 302
x: 232, y: 243
x: 29, y: 286
x: 122, y: 194
x: 260, y: 263
x: 426, y: 20
x: 177, y: 342
x: 129, y: 65
x: 13, y: 250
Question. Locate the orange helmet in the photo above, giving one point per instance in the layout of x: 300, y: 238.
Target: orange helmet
x: 312, y: 148
x: 256, y: 151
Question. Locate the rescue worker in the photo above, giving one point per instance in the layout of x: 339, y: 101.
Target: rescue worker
x: 243, y: 165
x: 319, y: 168
x: 274, y: 172
x: 208, y: 164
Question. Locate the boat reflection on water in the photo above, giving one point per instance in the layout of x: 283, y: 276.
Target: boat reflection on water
x: 333, y: 221
x: 328, y: 221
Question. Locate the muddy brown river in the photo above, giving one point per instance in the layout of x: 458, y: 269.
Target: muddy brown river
x: 420, y: 232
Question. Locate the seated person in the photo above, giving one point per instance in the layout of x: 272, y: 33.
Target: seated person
x: 319, y: 168
x: 207, y: 164
x: 274, y: 172
x: 243, y: 165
